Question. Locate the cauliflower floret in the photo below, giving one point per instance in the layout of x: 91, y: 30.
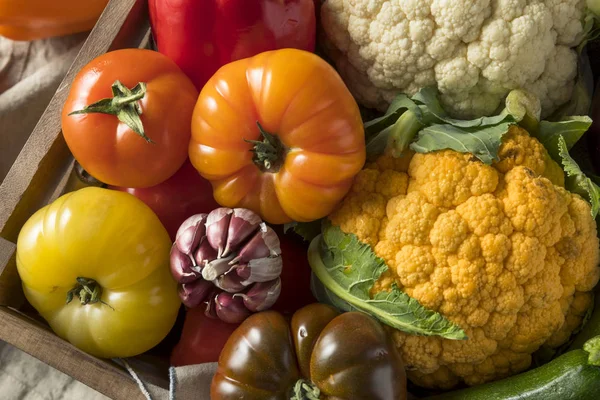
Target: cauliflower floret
x: 533, y: 204
x: 448, y: 178
x: 382, y: 181
x: 475, y: 51
x: 580, y: 305
x: 504, y: 251
x: 416, y: 222
x: 520, y: 149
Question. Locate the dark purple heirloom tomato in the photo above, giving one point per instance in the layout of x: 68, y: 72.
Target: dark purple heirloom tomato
x: 319, y: 355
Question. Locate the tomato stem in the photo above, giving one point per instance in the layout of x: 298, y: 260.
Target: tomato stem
x: 124, y: 104
x: 269, y: 153
x: 88, y: 291
x: 305, y: 390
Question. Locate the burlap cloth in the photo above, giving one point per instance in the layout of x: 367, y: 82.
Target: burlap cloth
x: 187, y: 383
x: 30, y: 73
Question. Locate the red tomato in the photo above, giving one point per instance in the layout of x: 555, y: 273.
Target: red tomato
x: 127, y: 117
x: 295, y: 276
x: 184, y: 194
x: 202, y: 339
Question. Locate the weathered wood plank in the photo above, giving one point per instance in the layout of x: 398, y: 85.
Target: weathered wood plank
x: 41, y: 173
x: 11, y: 293
x: 45, y: 158
x: 40, y: 342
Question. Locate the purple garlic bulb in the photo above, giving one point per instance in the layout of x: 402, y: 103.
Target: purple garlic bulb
x: 228, y: 261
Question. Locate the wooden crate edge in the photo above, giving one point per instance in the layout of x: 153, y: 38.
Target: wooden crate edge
x: 44, y: 158
x: 41, y: 343
x: 39, y: 175
x: 11, y: 293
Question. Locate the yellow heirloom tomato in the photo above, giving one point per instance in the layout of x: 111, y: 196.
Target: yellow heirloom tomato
x: 95, y: 265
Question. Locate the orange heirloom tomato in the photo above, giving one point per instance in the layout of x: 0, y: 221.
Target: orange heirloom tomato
x: 278, y: 133
x: 127, y: 118
x: 38, y: 19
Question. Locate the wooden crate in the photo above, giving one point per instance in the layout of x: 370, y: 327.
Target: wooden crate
x: 41, y: 173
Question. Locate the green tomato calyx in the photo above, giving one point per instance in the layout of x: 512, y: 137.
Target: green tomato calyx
x: 124, y: 105
x: 305, y: 390
x: 269, y: 153
x: 88, y: 291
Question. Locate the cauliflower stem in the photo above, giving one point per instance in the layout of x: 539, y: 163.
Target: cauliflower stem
x: 424, y: 115
x: 347, y: 270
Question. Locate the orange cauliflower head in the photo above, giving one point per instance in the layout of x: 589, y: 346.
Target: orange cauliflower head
x: 502, y: 250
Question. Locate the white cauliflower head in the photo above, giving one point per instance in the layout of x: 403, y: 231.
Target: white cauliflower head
x: 475, y: 51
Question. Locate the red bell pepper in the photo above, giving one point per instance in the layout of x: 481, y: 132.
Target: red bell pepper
x: 203, y: 35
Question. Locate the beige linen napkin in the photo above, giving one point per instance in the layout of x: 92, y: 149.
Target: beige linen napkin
x: 191, y: 382
x: 23, y: 377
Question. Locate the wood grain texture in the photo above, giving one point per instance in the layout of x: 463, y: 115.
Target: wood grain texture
x: 42, y: 172
x: 11, y: 293
x: 38, y: 341
x: 44, y: 159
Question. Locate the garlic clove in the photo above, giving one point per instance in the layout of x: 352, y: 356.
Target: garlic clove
x: 194, y: 293
x: 204, y: 254
x: 263, y: 244
x: 230, y: 282
x: 231, y: 309
x: 182, y: 266
x: 243, y: 271
x: 191, y: 231
x: 261, y: 296
x: 210, y: 310
x: 262, y: 270
x: 242, y: 225
x: 213, y: 269
x: 217, y: 226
